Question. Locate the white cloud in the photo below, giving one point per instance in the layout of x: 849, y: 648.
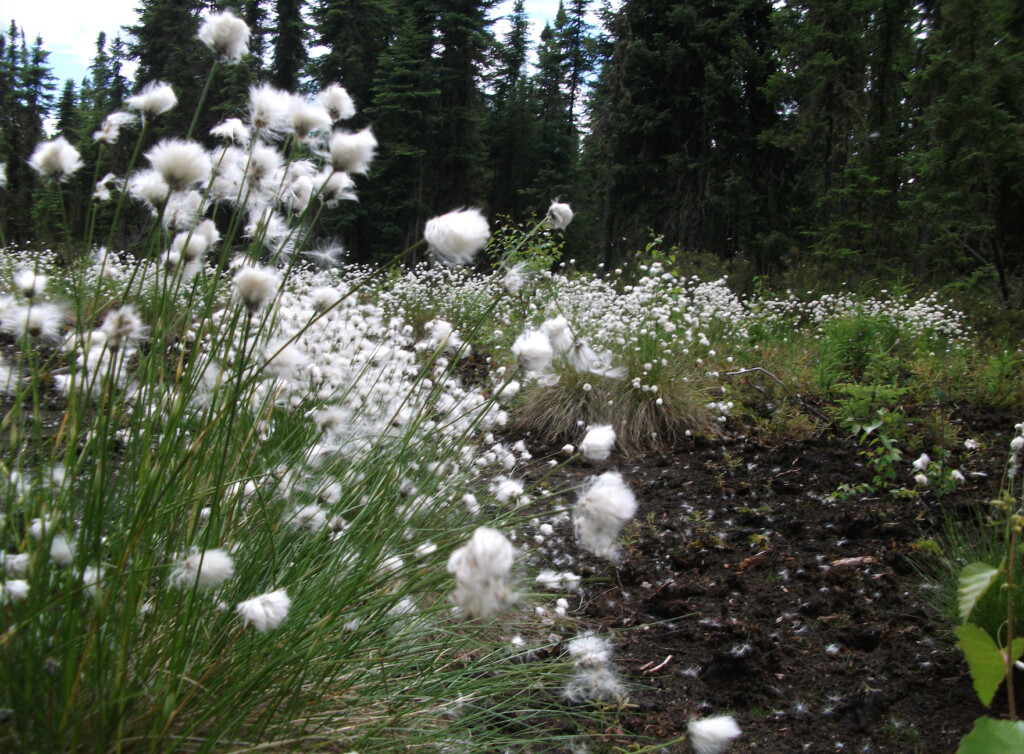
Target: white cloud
x: 69, y: 28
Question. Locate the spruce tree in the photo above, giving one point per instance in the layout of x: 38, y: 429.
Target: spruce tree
x: 555, y: 133
x: 67, y: 111
x: 463, y: 38
x: 355, y: 35
x: 511, y: 128
x: 407, y: 118
x: 689, y: 160
x: 290, y: 53
x: 966, y: 165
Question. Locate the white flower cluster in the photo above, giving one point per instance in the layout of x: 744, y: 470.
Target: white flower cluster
x: 924, y: 316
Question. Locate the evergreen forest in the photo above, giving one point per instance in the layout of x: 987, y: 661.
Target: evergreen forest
x: 881, y: 136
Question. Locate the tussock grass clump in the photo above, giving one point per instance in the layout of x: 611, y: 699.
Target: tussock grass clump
x: 231, y: 487
x: 560, y: 413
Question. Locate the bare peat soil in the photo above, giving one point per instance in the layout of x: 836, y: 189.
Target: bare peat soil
x: 744, y: 590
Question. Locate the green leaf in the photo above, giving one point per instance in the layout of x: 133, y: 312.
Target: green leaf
x: 975, y: 578
x: 993, y: 737
x: 985, y: 659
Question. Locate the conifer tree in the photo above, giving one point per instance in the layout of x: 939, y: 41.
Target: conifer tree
x: 26, y: 95
x: 511, y: 129
x: 355, y: 35
x: 556, y: 148
x: 689, y: 162
x: 463, y: 38
x: 165, y: 45
x: 67, y: 110
x: 254, y: 13
x: 407, y: 118
x: 967, y: 157
x: 290, y: 53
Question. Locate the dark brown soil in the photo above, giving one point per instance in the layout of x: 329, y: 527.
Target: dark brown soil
x: 744, y: 590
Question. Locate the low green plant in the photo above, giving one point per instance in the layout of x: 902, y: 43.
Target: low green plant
x: 879, y: 447
x: 992, y: 654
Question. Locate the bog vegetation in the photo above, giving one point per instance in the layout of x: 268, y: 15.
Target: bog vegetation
x: 258, y: 495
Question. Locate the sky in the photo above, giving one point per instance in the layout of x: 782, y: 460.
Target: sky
x: 69, y: 27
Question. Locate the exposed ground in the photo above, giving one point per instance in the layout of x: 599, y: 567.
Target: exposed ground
x: 744, y: 590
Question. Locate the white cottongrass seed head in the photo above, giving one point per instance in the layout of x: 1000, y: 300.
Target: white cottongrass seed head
x: 232, y: 130
x: 268, y: 109
x: 150, y: 187
x: 305, y: 117
x: 1016, y: 444
x: 30, y: 283
x: 559, y: 215
x: 712, y: 735
x: 256, y: 286
x: 352, y: 152
x: 122, y: 327
x: 154, y: 99
x: 589, y: 649
x: 55, y: 160
x: 337, y: 102
x: 558, y: 332
x: 603, y: 508
x: 110, y: 130
x: 533, y: 351
x: 598, y: 442
x: 265, y: 612
x: 481, y: 568
x: 180, y: 163
x: 13, y: 590
x: 226, y: 35
x: 208, y: 569
x: 921, y: 464
x: 456, y: 237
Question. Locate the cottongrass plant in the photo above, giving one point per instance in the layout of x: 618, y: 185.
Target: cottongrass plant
x: 231, y: 487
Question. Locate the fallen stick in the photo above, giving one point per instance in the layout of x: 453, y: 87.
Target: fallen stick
x: 658, y: 667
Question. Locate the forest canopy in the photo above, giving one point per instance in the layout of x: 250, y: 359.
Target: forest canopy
x: 850, y: 134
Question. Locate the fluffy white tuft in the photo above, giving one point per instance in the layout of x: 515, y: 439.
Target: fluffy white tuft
x: 110, y: 131
x: 456, y: 237
x: 150, y: 187
x: 352, y: 152
x: 589, y: 649
x: 305, y: 117
x: 227, y: 35
x: 559, y: 215
x: 61, y: 551
x: 598, y: 442
x: 533, y: 350
x: 122, y: 327
x: 13, y: 590
x: 712, y: 735
x: 209, y: 569
x: 603, y: 508
x: 481, y: 568
x: 268, y: 109
x: 307, y: 518
x: 30, y: 283
x: 56, y: 160
x: 155, y: 99
x: 256, y: 286
x: 558, y: 332
x: 232, y: 130
x: 337, y: 102
x: 265, y: 612
x: 180, y: 163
